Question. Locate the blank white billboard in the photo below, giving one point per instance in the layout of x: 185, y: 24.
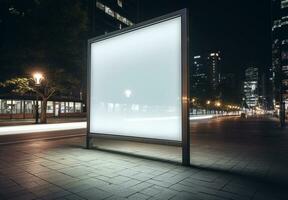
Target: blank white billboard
x: 135, y: 87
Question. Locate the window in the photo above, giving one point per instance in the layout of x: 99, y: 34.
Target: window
x: 78, y: 107
x: 284, y: 4
x: 109, y: 11
x: 28, y: 106
x: 284, y: 42
x: 284, y: 22
x: 62, y: 107
x: 3, y: 107
x: 71, y: 107
x: 120, y: 3
x: 17, y: 106
x: 50, y: 107
x: 276, y: 24
x: 112, y: 13
x: 100, y: 6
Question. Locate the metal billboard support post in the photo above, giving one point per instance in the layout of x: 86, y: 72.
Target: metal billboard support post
x: 185, y: 90
x: 185, y: 143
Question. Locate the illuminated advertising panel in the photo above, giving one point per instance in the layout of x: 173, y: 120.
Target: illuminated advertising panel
x: 138, y: 81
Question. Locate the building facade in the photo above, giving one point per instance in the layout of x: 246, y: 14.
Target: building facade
x: 251, y: 87
x: 205, y: 76
x: 198, y: 77
x: 111, y: 15
x: 213, y: 65
x: 23, y: 107
x: 280, y: 52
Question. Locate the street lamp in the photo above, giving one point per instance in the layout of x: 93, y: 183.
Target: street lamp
x: 218, y: 104
x: 38, y: 77
x: 208, y: 102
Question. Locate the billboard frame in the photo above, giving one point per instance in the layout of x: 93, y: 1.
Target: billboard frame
x: 185, y: 143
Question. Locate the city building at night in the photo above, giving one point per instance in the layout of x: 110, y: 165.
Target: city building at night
x: 23, y: 107
x: 280, y: 51
x: 270, y: 94
x: 251, y: 87
x: 111, y: 15
x: 205, y: 76
x: 213, y: 65
x: 198, y: 77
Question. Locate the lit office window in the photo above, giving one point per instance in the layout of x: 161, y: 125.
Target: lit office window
x: 3, y: 106
x: 285, y: 68
x: 62, y: 107
x: 29, y: 106
x: 17, y: 106
x: 120, y: 3
x: 284, y: 4
x: 284, y: 23
x: 70, y: 107
x: 284, y: 41
x: 50, y: 107
x: 109, y: 11
x: 100, y: 6
x: 78, y: 107
x: 276, y: 24
x: 113, y: 14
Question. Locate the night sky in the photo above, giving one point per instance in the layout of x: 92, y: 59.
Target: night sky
x: 241, y: 30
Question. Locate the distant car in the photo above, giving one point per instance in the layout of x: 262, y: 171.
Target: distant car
x: 243, y: 115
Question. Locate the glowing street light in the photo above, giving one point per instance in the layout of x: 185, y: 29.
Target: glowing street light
x: 38, y: 77
x: 208, y: 102
x: 193, y: 100
x: 218, y: 104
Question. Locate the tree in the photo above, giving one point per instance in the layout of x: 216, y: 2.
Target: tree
x: 48, y: 33
x: 51, y: 34
x: 49, y: 86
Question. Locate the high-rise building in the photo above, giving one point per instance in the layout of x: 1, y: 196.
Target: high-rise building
x: 263, y: 97
x: 213, y: 65
x: 111, y: 15
x: 198, y: 77
x: 270, y: 94
x: 251, y: 87
x: 280, y: 50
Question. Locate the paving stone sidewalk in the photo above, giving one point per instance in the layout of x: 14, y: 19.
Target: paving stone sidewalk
x: 64, y: 169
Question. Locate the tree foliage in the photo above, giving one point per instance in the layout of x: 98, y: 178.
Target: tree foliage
x: 52, y: 84
x: 46, y: 33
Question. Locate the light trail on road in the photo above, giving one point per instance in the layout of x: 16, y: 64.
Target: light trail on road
x: 37, y: 128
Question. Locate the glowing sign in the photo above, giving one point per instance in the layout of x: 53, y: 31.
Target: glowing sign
x: 136, y: 82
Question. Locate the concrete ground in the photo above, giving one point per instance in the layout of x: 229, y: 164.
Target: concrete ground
x: 231, y: 159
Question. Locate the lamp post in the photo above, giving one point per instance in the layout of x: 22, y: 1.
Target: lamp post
x: 38, y: 77
x: 192, y: 102
x: 207, y: 107
x: 218, y: 104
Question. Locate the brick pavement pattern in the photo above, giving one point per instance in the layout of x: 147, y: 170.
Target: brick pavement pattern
x: 64, y: 169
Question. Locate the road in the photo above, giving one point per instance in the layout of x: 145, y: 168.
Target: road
x: 255, y: 145
x: 231, y: 158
